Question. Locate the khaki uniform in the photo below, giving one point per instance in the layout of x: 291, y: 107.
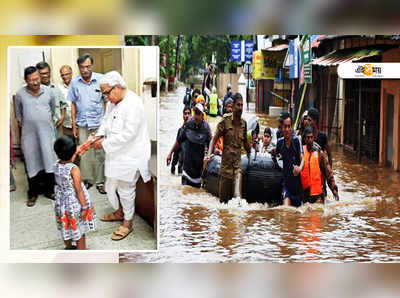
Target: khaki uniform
x: 231, y: 165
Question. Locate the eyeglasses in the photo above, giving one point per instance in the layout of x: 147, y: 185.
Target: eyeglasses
x: 197, y: 112
x: 107, y: 93
x: 85, y: 66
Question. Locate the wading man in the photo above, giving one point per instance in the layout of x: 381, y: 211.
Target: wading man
x: 292, y: 154
x: 233, y: 129
x: 196, y: 135
x: 316, y: 169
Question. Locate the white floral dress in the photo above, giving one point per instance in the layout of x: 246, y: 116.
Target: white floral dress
x: 67, y: 206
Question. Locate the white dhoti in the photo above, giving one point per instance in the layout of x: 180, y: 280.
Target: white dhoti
x: 126, y: 192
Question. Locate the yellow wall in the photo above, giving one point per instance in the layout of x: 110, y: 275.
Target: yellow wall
x: 131, y: 69
x: 60, y: 57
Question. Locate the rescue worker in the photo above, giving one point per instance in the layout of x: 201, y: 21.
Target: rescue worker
x: 200, y: 99
x: 219, y: 146
x: 213, y: 102
x: 319, y: 136
x: 233, y: 129
x: 316, y: 168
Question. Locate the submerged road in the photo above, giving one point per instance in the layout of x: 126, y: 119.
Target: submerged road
x: 364, y: 226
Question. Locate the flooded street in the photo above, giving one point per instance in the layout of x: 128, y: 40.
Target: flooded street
x: 194, y: 227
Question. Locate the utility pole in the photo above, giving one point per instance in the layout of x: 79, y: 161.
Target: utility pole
x: 359, y: 121
x: 177, y: 55
x: 167, y: 64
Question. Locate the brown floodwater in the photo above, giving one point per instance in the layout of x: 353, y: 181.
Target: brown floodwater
x: 364, y: 226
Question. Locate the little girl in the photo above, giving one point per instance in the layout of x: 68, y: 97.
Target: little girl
x: 74, y: 211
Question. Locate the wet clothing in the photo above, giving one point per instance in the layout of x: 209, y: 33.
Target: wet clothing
x: 326, y: 175
x: 234, y: 135
x: 290, y: 157
x: 67, y: 206
x: 177, y: 157
x: 322, y: 140
x: 197, y: 138
x: 225, y: 189
x: 311, y: 175
x: 35, y: 114
x: 295, y: 199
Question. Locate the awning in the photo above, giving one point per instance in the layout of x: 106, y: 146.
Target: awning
x: 316, y: 41
x: 277, y: 48
x: 336, y: 57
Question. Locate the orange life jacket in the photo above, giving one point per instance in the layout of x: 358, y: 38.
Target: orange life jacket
x: 311, y: 176
x: 220, y: 143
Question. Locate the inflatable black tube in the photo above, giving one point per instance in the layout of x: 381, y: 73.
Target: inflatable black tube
x: 261, y: 178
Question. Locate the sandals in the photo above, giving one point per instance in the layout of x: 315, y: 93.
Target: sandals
x: 72, y: 247
x: 111, y: 217
x: 50, y: 196
x: 121, y: 233
x: 31, y: 201
x: 88, y: 185
x: 100, y: 188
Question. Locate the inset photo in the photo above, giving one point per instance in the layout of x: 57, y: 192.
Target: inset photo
x: 83, y: 148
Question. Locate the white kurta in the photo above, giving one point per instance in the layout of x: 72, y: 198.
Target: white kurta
x: 126, y: 140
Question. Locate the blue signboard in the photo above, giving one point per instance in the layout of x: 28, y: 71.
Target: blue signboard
x: 248, y: 50
x: 294, y: 60
x: 236, y: 51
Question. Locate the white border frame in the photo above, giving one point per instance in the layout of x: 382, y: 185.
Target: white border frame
x: 76, y: 255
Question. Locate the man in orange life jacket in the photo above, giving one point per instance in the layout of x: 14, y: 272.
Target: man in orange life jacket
x: 316, y: 167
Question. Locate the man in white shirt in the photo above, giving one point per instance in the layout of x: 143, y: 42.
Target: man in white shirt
x: 125, y: 140
x: 66, y: 76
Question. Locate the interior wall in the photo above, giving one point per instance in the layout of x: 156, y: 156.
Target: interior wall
x: 60, y: 57
x: 131, y: 68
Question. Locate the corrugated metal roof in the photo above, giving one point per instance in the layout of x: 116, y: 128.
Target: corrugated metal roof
x: 337, y: 57
x: 277, y: 48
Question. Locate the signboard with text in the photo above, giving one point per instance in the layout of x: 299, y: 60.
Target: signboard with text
x: 236, y: 51
x: 248, y: 50
x: 369, y: 70
x: 266, y: 64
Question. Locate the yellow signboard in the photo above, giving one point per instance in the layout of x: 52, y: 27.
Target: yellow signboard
x: 266, y: 64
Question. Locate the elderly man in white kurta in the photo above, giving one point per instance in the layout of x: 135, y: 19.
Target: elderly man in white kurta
x: 127, y: 146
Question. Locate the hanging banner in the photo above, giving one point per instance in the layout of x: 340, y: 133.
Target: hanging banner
x: 293, y: 60
x: 266, y: 64
x: 248, y: 50
x: 306, y: 49
x: 236, y: 51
